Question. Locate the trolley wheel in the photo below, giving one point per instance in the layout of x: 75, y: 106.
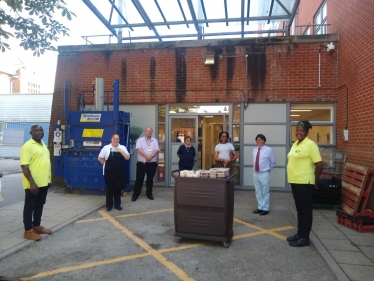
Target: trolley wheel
x: 226, y: 244
x: 179, y: 239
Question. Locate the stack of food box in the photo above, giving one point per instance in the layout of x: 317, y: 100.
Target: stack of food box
x: 211, y: 173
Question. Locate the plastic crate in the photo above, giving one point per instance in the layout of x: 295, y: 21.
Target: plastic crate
x: 359, y: 223
x: 329, y: 192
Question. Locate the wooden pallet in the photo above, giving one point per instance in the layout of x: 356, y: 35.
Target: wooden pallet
x: 357, y: 182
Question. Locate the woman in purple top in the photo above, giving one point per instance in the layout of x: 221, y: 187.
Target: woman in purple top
x: 186, y: 153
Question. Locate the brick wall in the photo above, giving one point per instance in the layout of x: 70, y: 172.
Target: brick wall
x: 278, y: 69
x: 353, y: 21
x: 276, y: 72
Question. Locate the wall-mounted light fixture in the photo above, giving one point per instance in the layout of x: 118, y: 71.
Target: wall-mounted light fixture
x: 209, y: 59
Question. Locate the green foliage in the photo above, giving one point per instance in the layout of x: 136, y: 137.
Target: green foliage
x: 32, y: 23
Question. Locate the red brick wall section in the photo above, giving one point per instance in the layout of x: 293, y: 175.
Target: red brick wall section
x: 285, y: 72
x: 353, y: 20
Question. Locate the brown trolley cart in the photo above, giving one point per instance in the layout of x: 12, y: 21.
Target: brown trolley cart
x: 204, y: 208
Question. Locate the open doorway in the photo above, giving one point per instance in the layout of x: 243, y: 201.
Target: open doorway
x: 204, y: 129
x: 210, y: 126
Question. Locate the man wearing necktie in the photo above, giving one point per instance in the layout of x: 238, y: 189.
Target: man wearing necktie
x: 264, y: 161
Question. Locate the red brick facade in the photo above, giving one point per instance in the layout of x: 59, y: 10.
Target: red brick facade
x: 353, y: 21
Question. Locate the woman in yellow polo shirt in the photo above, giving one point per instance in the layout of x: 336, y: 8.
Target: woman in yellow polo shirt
x: 304, y: 169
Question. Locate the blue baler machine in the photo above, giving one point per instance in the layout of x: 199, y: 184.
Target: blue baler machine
x: 78, y: 143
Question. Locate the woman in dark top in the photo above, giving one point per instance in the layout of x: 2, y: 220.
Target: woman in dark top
x: 186, y: 153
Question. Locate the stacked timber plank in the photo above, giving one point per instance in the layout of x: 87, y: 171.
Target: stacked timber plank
x: 357, y: 183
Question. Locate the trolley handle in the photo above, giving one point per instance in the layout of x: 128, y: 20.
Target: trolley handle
x: 172, y: 173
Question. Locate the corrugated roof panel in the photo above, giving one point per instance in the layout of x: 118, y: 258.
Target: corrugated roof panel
x: 26, y: 107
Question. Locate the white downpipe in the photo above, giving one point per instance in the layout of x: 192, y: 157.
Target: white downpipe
x: 319, y: 67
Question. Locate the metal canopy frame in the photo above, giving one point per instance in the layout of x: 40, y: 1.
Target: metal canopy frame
x: 151, y: 20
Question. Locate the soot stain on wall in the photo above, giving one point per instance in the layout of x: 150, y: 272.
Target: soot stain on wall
x: 230, y: 64
x: 152, y: 75
x: 214, y: 69
x: 123, y: 69
x: 257, y: 65
x: 107, y: 55
x: 181, y: 74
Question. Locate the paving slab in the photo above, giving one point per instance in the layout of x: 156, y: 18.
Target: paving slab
x: 342, y: 245
x: 350, y: 257
x: 368, y: 251
x: 358, y: 272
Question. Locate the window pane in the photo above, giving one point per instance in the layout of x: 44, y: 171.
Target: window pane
x: 236, y: 114
x: 318, y: 134
x: 236, y: 133
x: 237, y: 151
x: 312, y: 112
x: 161, y: 132
x: 161, y: 113
x: 181, y: 128
x: 236, y: 170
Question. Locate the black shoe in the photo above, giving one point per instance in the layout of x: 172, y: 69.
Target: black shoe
x: 150, y: 197
x: 299, y: 243
x: 257, y: 211
x: 108, y: 209
x: 134, y: 197
x: 293, y: 238
x: 119, y: 208
x: 264, y: 213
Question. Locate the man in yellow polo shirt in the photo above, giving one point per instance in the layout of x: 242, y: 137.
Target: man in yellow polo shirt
x: 303, y: 170
x: 36, y: 179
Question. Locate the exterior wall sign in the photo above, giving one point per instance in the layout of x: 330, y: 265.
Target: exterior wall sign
x: 92, y: 133
x: 90, y: 117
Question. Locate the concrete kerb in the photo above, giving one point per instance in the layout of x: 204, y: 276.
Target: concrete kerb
x: 335, y: 268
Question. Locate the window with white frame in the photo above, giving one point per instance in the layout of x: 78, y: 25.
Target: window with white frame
x: 321, y: 18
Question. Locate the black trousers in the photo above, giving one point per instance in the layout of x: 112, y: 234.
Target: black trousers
x: 303, y: 196
x: 110, y: 194
x: 143, y: 169
x: 33, y: 208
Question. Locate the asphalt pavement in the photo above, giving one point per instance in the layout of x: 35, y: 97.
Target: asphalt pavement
x: 138, y: 243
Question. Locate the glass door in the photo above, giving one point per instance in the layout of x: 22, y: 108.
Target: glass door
x: 180, y: 128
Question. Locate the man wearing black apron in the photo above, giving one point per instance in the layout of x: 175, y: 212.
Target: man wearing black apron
x: 112, y: 156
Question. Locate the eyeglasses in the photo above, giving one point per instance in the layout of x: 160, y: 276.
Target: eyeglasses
x: 224, y: 137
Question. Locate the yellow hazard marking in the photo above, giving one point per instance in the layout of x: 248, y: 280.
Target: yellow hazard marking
x: 93, y: 133
x: 265, y: 231
x: 128, y: 215
x: 157, y: 254
x: 85, y: 266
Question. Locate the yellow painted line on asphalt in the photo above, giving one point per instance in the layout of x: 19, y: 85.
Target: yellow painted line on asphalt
x: 85, y: 266
x: 273, y: 231
x: 127, y: 215
x: 156, y: 254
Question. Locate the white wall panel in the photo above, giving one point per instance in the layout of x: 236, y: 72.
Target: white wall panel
x: 277, y: 178
x: 275, y: 134
x: 266, y: 113
x: 141, y: 116
x: 280, y: 154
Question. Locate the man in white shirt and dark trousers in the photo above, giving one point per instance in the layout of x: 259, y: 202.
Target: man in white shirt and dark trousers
x: 264, y: 161
x: 148, y: 150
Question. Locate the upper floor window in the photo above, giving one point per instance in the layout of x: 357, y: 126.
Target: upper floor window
x: 321, y: 18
